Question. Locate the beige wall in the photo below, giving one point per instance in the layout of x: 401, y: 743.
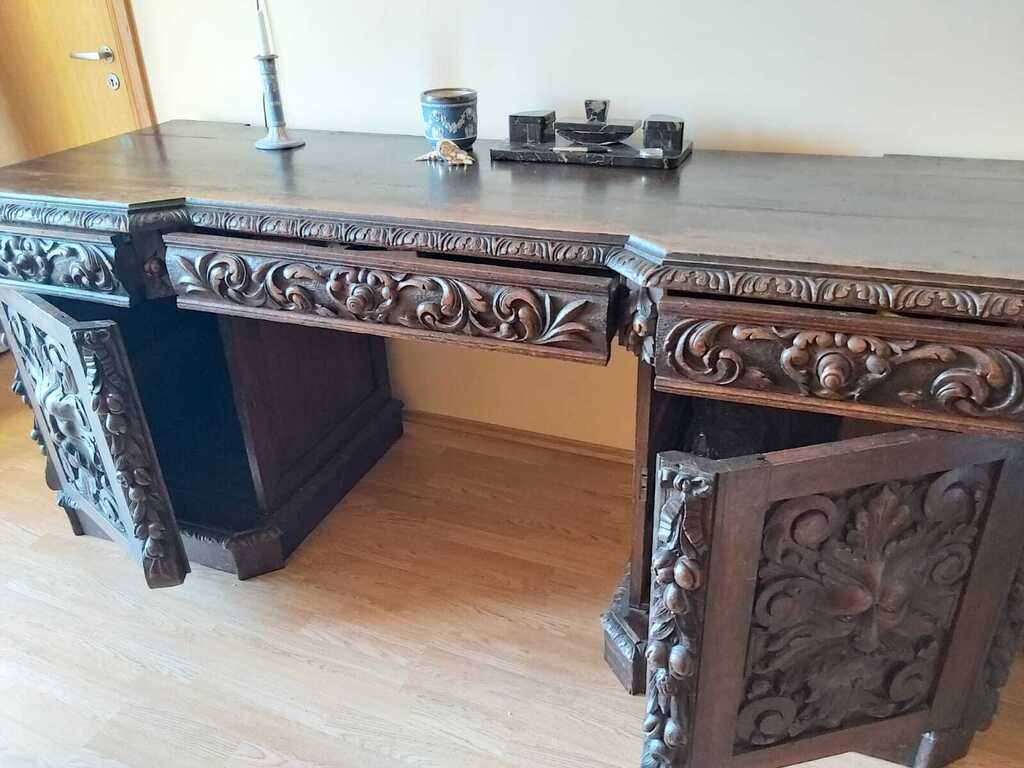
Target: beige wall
x: 580, y: 402
x: 942, y: 77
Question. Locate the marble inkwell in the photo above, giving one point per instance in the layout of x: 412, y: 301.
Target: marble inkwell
x: 538, y: 137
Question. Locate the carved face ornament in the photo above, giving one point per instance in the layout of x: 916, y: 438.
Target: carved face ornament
x: 855, y: 593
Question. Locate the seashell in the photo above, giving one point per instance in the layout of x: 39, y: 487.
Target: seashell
x: 449, y: 151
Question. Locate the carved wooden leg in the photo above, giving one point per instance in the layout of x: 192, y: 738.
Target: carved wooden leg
x: 701, y: 427
x: 659, y: 422
x: 71, y: 512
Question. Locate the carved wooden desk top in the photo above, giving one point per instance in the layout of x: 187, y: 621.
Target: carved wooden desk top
x: 940, y: 236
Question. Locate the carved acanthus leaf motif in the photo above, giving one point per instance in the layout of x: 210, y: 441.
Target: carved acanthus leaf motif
x: 57, y: 262
x: 639, y: 321
x: 400, y: 236
x: 858, y: 586
x: 58, y: 215
x: 92, y: 216
x: 676, y: 616
x: 908, y: 296
x: 442, y: 304
x: 970, y: 381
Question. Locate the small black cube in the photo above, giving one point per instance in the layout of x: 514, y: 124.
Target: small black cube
x: 534, y: 127
x: 664, y: 132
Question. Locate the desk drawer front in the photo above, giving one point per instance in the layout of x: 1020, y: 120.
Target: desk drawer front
x: 82, y: 265
x: 949, y: 375
x: 395, y: 294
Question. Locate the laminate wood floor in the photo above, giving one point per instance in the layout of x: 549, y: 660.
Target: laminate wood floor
x: 446, y: 614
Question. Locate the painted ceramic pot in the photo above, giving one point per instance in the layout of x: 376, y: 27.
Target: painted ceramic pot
x: 449, y: 113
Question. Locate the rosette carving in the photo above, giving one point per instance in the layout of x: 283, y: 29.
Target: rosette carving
x: 374, y: 295
x: 857, y: 586
x: 676, y: 616
x: 977, y: 382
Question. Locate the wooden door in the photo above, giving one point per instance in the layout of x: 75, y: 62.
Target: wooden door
x: 90, y: 421
x: 829, y: 599
x: 49, y: 101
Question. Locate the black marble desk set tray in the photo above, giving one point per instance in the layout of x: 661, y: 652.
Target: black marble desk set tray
x: 537, y: 137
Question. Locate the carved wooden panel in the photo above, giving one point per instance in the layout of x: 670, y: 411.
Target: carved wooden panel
x: 886, y: 368
x: 856, y: 592
x: 393, y: 294
x: 830, y: 598
x: 78, y: 380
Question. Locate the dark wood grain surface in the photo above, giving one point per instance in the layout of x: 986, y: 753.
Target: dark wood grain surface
x: 931, y: 215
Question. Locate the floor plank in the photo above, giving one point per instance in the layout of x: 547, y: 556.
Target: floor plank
x: 444, y: 615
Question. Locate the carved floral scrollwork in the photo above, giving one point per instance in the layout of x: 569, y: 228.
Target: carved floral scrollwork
x: 676, y: 616
x: 970, y: 381
x: 44, y: 261
x: 371, y: 295
x: 855, y: 595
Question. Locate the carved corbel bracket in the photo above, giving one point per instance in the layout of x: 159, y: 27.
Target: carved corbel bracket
x: 681, y: 546
x: 639, y: 322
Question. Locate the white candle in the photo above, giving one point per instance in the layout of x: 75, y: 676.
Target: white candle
x: 266, y: 37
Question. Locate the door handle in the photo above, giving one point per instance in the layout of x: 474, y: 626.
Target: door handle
x: 103, y: 54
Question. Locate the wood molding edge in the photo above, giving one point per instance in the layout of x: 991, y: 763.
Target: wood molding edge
x: 521, y: 436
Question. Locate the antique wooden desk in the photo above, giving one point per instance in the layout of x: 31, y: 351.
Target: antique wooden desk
x: 199, y: 327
